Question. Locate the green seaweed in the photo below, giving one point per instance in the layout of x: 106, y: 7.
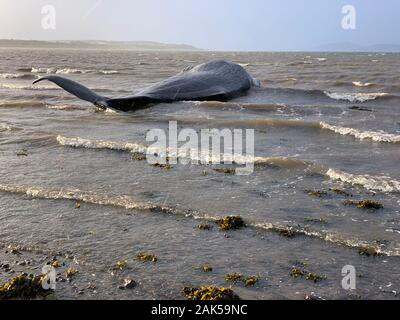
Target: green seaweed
x: 210, y: 293
x: 251, y: 281
x: 206, y: 268
x: 230, y: 223
x: 119, y: 265
x: 341, y: 192
x: 314, y: 277
x: 138, y: 156
x: 364, y: 204
x: 297, y: 272
x: 70, y: 272
x: 368, y: 251
x: 234, y: 277
x: 225, y: 170
x: 204, y: 226
x: 316, y: 193
x: 288, y: 231
x: 141, y: 256
x: 24, y: 287
x: 165, y: 166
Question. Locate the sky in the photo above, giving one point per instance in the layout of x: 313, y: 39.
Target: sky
x: 246, y: 25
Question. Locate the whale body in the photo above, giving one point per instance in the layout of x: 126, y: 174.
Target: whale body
x: 217, y: 80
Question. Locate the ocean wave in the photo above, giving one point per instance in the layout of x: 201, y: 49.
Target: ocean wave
x: 330, y: 237
x: 121, y: 201
x: 195, y: 155
x: 64, y: 107
x: 355, y: 97
x: 376, y: 136
x: 238, y: 105
x: 299, y: 63
x: 5, y: 127
x: 373, y: 183
x: 269, y: 122
x: 362, y: 84
x: 78, y: 142
x: 17, y: 76
x: 22, y: 104
x: 71, y: 71
x: 18, y: 86
x: 129, y: 203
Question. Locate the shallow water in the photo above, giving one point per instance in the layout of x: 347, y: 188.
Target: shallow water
x: 322, y: 122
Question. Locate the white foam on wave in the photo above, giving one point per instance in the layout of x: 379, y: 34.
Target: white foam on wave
x: 361, y: 84
x: 78, y: 142
x: 355, y: 97
x: 194, y: 155
x: 108, y: 71
x: 373, y: 183
x: 129, y: 203
x: 71, y: 71
x: 330, y: 237
x: 376, y: 136
x: 16, y: 76
x: 18, y: 86
x: 64, y: 107
x: 121, y: 201
x: 4, y: 127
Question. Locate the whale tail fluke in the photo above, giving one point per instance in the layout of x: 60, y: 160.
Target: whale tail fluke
x: 77, y: 90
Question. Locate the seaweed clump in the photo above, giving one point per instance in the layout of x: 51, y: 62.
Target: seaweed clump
x: 234, y: 277
x: 225, y: 170
x: 316, y: 193
x: 365, y: 204
x: 138, y: 156
x: 341, y: 192
x: 166, y: 166
x: 288, y: 232
x: 119, y: 265
x: 230, y: 223
x: 251, y: 281
x: 210, y: 293
x: 297, y: 272
x: 70, y: 272
x: 368, y: 251
x: 24, y: 287
x: 141, y: 256
x: 204, y: 226
x: 206, y: 268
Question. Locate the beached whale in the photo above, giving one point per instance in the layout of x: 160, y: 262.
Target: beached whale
x: 217, y: 80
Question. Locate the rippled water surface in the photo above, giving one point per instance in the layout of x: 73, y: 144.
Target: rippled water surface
x: 323, y: 122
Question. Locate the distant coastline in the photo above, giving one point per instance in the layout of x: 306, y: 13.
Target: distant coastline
x: 94, y: 44
x: 345, y: 47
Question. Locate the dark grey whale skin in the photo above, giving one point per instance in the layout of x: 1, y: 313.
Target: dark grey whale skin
x: 216, y: 80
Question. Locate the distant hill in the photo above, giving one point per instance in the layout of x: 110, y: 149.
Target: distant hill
x: 93, y: 44
x: 352, y: 47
